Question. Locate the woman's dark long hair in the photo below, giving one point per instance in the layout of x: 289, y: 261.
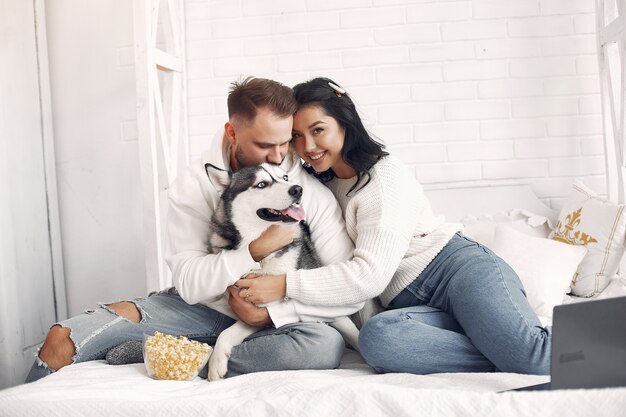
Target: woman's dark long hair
x: 360, y: 149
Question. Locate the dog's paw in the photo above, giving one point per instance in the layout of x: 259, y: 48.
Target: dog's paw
x: 218, y: 365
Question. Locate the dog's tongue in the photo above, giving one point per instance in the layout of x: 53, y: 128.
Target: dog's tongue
x: 296, y: 213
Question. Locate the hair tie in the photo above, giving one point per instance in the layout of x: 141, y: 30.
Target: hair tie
x: 338, y: 90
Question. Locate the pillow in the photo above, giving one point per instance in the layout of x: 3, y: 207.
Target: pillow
x: 482, y: 229
x: 544, y: 266
x: 589, y: 220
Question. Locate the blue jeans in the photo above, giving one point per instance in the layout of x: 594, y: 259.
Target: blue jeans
x: 293, y: 346
x: 466, y: 312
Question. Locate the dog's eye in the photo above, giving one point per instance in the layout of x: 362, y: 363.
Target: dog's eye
x: 286, y: 177
x: 262, y: 184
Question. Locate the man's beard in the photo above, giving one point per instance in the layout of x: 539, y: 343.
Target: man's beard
x: 244, y: 161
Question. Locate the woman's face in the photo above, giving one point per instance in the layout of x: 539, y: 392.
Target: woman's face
x: 318, y: 139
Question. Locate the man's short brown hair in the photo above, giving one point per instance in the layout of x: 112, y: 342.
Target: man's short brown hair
x: 247, y: 96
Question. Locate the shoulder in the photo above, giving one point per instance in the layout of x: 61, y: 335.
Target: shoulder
x: 391, y: 188
x: 390, y: 168
x: 192, y: 185
x: 387, y: 175
x: 193, y: 179
x: 192, y: 173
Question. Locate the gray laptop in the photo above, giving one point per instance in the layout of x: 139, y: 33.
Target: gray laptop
x: 588, y: 345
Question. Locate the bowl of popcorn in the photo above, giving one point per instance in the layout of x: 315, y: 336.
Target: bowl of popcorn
x: 174, y: 358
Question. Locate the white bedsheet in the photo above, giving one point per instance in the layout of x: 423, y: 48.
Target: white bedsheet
x: 96, y: 389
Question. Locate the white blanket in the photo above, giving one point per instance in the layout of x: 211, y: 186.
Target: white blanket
x: 96, y: 389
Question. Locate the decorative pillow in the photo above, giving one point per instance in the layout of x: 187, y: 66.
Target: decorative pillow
x: 544, y: 266
x: 589, y: 220
x: 482, y: 229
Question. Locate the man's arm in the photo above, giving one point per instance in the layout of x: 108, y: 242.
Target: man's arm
x: 248, y: 312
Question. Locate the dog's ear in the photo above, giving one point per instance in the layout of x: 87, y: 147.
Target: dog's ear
x: 220, y: 178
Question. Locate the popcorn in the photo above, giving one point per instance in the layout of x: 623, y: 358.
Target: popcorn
x: 167, y: 357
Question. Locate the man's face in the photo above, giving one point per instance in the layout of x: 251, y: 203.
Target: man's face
x: 265, y: 139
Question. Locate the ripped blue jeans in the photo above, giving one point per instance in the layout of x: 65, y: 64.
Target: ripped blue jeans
x: 293, y: 346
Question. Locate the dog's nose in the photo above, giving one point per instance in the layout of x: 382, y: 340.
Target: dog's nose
x: 295, y: 191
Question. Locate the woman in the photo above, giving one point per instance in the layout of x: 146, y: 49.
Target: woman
x: 452, y: 304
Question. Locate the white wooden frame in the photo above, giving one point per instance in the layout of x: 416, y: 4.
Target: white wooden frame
x: 161, y: 120
x: 611, y: 24
x: 56, y: 252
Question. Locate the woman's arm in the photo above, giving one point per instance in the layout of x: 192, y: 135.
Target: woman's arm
x: 366, y: 275
x: 263, y: 289
x: 385, y: 219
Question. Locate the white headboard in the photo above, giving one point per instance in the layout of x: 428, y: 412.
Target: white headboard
x: 456, y: 203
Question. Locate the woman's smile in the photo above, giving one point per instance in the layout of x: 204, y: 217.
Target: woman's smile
x: 316, y: 156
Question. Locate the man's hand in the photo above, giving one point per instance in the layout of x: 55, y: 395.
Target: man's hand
x: 247, y: 312
x: 263, y: 289
x: 273, y: 238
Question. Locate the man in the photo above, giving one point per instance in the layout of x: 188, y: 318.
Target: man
x: 258, y: 130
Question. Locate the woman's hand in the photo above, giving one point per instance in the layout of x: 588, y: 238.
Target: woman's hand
x: 273, y: 238
x: 246, y: 312
x: 263, y: 289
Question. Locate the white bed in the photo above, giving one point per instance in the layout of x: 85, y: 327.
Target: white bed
x: 97, y: 389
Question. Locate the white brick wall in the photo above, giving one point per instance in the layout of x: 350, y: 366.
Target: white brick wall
x: 464, y: 91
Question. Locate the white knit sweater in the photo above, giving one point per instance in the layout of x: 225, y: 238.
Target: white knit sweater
x: 395, y: 233
x: 202, y: 277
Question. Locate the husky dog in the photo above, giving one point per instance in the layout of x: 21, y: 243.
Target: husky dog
x: 251, y: 200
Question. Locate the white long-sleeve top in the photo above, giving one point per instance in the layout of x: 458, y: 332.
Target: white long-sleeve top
x: 202, y: 277
x: 395, y: 233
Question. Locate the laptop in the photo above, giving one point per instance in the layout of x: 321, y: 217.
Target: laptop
x: 588, y: 346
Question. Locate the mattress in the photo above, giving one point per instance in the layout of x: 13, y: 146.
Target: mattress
x: 98, y: 389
